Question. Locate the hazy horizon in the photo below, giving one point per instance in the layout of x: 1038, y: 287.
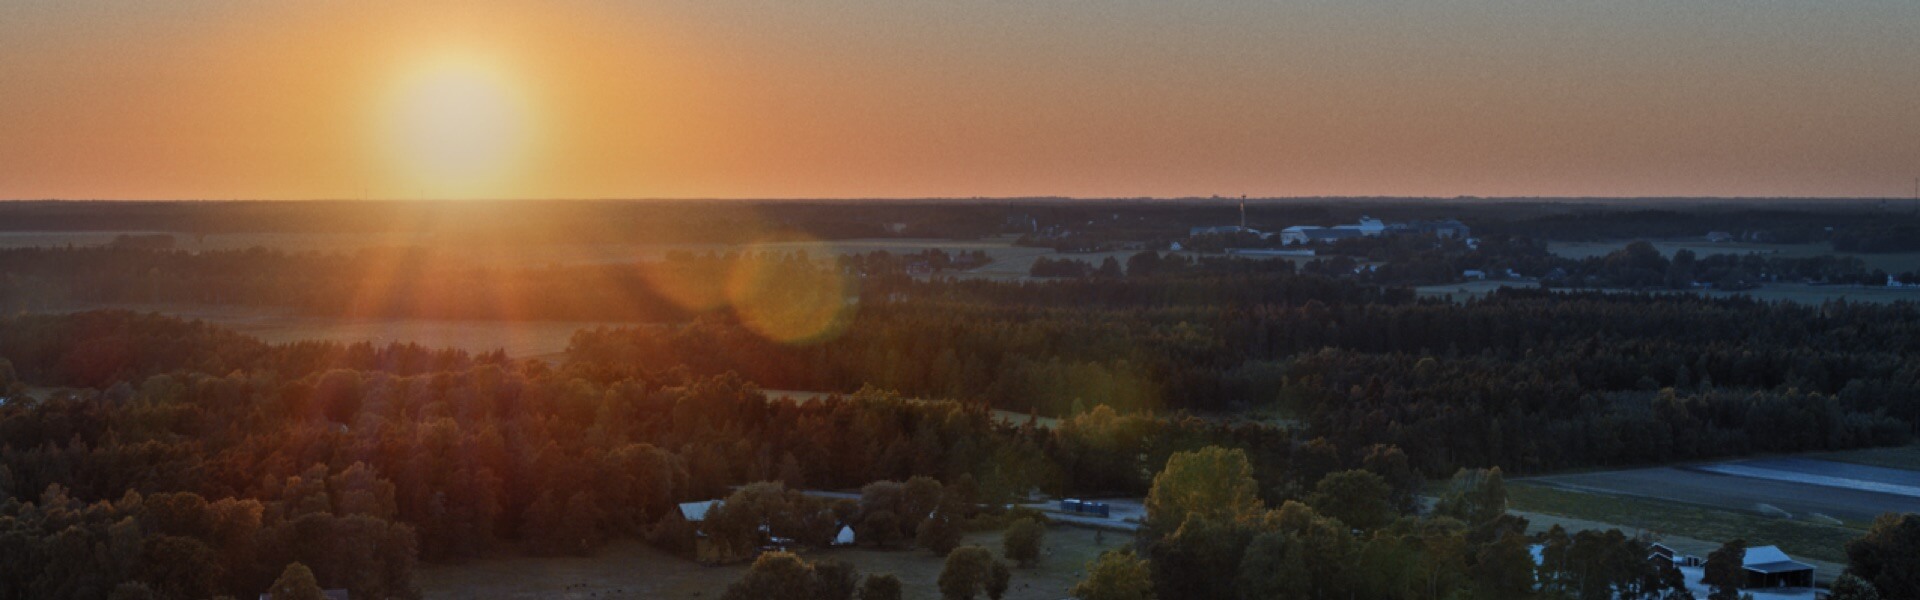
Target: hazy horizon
x: 211, y: 99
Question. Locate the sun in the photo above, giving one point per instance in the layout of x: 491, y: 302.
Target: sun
x: 457, y: 127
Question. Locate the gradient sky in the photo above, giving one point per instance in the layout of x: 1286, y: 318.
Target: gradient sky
x: 917, y: 98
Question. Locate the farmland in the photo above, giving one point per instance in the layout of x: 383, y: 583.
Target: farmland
x: 635, y: 570
x: 1810, y: 506
x: 1797, y: 489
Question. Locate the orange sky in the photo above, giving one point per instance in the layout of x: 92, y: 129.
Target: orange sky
x: 891, y: 98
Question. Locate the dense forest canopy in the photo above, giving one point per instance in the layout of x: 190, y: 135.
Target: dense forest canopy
x: 143, y: 455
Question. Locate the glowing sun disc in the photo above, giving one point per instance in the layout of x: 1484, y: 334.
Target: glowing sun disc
x: 456, y: 127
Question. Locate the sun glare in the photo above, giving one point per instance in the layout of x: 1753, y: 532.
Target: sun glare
x: 457, y: 128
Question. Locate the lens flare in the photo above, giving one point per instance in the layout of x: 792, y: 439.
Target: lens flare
x: 789, y: 296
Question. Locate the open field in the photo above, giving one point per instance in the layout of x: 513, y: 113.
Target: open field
x: 1898, y: 262
x: 1808, y: 505
x: 1900, y: 457
x: 1665, y: 519
x: 520, y: 339
x: 631, y: 569
x: 1767, y: 487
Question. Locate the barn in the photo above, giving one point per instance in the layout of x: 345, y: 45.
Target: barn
x: 1768, y: 567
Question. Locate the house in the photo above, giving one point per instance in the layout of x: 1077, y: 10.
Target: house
x: 844, y: 537
x: 1768, y: 567
x: 1666, y: 555
x: 328, y: 594
x: 1718, y: 237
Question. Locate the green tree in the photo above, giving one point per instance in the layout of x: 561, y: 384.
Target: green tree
x: 834, y: 580
x: 1391, y: 464
x: 1851, y: 587
x: 1503, y: 570
x: 1211, y: 482
x: 182, y: 567
x: 1360, y: 499
x: 774, y: 576
x: 884, y: 586
x: 1475, y: 496
x: 296, y: 583
x: 1116, y: 575
x: 881, y: 528
x: 967, y: 573
x: 1888, y: 556
x: 940, y: 533
x: 1725, y: 569
x: 998, y: 578
x: 1022, y: 542
x: 1274, y: 567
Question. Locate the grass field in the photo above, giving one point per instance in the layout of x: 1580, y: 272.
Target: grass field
x: 634, y: 570
x: 1820, y: 542
x: 1899, y: 457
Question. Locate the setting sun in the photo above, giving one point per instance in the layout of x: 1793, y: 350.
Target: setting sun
x: 456, y: 127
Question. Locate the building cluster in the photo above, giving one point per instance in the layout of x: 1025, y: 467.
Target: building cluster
x: 1366, y: 227
x: 1767, y: 570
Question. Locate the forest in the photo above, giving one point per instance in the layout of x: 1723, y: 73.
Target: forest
x: 1307, y: 405
x: 152, y: 438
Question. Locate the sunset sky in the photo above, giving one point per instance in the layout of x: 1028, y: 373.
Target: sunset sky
x: 188, y: 99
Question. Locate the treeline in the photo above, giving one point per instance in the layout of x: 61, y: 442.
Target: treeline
x: 1532, y: 379
x: 456, y: 456
x: 422, y: 282
x: 348, y: 458
x: 1208, y: 535
x: 1638, y: 265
